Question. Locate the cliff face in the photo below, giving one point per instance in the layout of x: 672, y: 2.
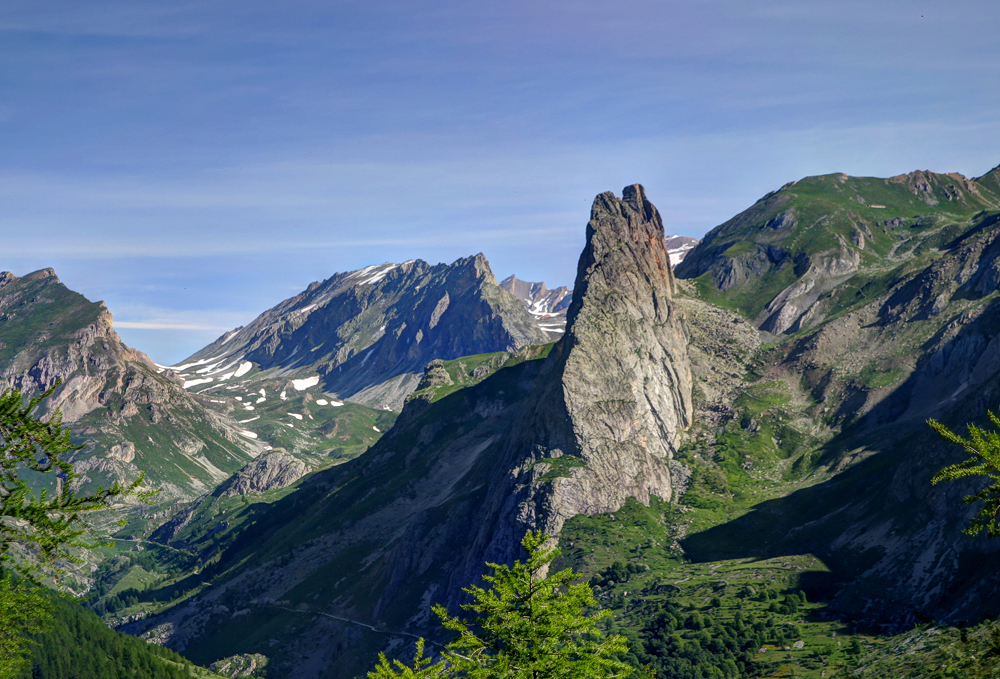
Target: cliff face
x: 458, y: 480
x: 626, y: 379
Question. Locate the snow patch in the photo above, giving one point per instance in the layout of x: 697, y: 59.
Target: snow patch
x: 365, y: 359
x: 376, y: 429
x: 191, y: 383
x: 336, y: 404
x: 178, y: 368
x: 321, y: 401
x: 250, y: 420
x: 248, y: 407
x: 244, y: 368
x: 248, y: 434
x: 305, y: 383
x: 295, y: 415
x: 284, y: 397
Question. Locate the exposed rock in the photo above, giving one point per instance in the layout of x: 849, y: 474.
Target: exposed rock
x: 108, y: 392
x: 242, y: 665
x: 275, y: 469
x: 368, y: 334
x: 124, y: 451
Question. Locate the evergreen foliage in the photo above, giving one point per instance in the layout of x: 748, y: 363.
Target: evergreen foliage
x: 76, y: 644
x: 44, y: 527
x: 22, y: 614
x: 679, y: 645
x: 526, y: 626
x: 423, y: 667
x: 983, y: 447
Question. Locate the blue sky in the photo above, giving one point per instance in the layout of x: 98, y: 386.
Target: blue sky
x: 194, y: 163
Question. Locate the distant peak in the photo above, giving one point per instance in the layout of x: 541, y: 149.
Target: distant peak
x: 41, y: 274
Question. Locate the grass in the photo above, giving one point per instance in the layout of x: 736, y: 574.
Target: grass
x: 750, y: 588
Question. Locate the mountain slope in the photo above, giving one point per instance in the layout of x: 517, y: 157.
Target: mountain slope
x: 111, y: 395
x: 366, y: 335
x: 908, y: 331
x: 777, y: 260
x: 459, y: 479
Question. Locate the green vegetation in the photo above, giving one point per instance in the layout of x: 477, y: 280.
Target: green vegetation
x: 526, y: 626
x: 769, y: 246
x: 38, y: 530
x: 44, y: 527
x: 983, y: 448
x: 929, y: 652
x: 704, y: 620
x: 75, y: 644
x: 447, y: 377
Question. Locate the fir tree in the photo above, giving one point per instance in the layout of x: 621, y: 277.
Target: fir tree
x: 525, y: 626
x: 44, y: 526
x: 983, y: 447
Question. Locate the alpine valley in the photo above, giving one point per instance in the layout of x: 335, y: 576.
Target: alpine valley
x: 727, y: 436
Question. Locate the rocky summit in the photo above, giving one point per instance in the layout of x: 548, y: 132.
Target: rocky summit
x: 548, y: 307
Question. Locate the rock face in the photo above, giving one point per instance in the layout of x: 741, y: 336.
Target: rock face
x: 275, y: 469
x: 110, y: 394
x: 549, y: 307
x: 367, y: 334
x: 457, y: 481
x: 626, y: 379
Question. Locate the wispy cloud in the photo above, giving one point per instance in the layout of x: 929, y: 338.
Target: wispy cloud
x: 139, y: 325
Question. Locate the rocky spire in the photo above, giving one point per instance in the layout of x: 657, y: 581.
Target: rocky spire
x: 626, y: 379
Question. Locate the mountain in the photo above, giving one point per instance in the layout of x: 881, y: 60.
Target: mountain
x: 580, y: 428
x: 748, y: 439
x: 779, y: 261
x: 549, y: 307
x: 366, y: 335
x: 678, y: 248
x: 130, y: 418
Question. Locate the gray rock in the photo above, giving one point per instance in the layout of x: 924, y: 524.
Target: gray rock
x: 275, y: 469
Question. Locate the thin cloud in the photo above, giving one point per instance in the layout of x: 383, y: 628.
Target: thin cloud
x: 142, y: 325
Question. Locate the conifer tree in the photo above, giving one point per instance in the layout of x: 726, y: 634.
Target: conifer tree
x: 44, y: 527
x: 983, y: 447
x: 525, y: 626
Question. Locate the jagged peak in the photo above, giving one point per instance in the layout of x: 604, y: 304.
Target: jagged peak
x: 479, y: 265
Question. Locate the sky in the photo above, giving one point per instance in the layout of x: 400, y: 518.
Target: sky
x: 194, y: 163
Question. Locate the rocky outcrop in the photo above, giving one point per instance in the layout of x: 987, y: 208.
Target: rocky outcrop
x: 626, y: 379
x: 272, y: 470
x: 367, y: 334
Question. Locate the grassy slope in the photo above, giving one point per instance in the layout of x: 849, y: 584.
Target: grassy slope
x: 829, y: 210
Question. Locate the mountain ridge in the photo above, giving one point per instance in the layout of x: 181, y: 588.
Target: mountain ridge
x: 367, y: 334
